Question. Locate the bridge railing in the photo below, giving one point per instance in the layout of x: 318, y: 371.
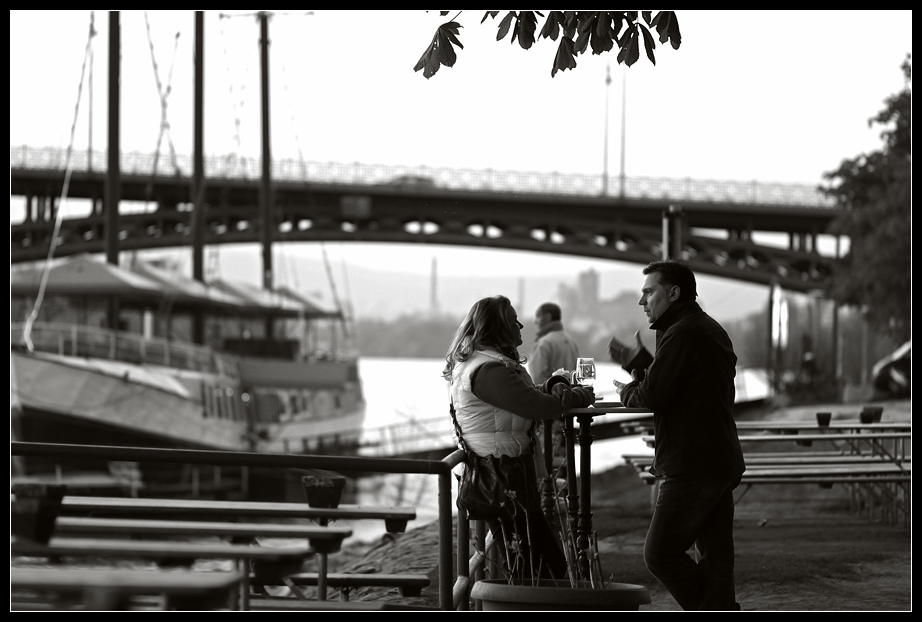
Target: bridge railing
x: 232, y: 166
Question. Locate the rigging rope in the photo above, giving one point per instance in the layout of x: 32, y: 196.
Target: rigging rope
x: 163, y: 94
x: 237, y: 106
x: 59, y: 213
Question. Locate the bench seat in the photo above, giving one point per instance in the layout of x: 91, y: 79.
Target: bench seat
x: 395, y: 518
x: 408, y: 585
x: 113, y: 588
x: 321, y: 539
x: 297, y: 604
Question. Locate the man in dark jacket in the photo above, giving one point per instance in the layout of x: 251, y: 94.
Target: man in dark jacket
x: 690, y: 389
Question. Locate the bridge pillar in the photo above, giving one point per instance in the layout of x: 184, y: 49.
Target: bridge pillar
x: 672, y: 232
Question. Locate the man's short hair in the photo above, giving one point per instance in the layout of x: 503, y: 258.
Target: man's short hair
x: 675, y: 272
x: 551, y: 309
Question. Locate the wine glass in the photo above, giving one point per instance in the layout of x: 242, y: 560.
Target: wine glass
x: 585, y: 371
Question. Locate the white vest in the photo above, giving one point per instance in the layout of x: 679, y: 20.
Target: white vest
x: 485, y: 428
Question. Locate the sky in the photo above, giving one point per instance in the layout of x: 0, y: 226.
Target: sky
x: 770, y: 96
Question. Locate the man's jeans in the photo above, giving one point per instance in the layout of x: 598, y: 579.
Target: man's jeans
x: 699, y: 511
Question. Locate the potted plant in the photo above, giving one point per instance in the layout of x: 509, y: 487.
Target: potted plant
x: 323, y: 490
x: 576, y: 592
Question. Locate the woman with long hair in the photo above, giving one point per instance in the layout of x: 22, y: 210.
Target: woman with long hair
x: 496, y: 407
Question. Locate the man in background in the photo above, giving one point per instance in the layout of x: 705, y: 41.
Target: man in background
x: 554, y: 348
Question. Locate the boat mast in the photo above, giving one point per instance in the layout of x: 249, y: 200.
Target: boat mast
x: 198, y: 173
x: 266, y: 193
x: 113, y: 176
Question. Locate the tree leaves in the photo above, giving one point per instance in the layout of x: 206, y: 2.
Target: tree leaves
x: 667, y: 25
x: 874, y: 191
x: 524, y: 29
x: 440, y: 50
x: 599, y: 31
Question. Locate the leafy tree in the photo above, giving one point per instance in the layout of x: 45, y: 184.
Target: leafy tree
x: 875, y: 192
x: 578, y: 31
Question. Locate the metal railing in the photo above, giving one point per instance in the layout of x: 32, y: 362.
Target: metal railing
x: 231, y: 166
x: 341, y: 464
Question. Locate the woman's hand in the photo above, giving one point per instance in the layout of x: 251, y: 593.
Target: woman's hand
x: 576, y: 397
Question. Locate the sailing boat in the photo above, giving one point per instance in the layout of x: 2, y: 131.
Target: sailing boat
x: 272, y: 371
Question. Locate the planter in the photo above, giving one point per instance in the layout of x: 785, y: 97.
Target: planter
x: 871, y: 414
x: 34, y: 510
x: 498, y: 595
x: 323, y: 491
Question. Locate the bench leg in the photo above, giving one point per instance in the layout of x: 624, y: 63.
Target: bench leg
x: 294, y: 589
x: 322, y: 578
x: 244, y: 602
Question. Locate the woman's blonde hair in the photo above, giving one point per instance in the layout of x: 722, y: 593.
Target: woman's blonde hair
x: 490, y: 323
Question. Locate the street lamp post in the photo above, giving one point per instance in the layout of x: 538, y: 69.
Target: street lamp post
x: 623, y: 116
x: 605, y: 152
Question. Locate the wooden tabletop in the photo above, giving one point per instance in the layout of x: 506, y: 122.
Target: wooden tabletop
x: 800, y: 438
x: 836, y: 426
x: 321, y: 539
x: 157, y: 549
x: 395, y: 518
x: 126, y: 581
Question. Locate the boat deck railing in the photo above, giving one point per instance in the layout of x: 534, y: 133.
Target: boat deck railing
x: 118, y: 345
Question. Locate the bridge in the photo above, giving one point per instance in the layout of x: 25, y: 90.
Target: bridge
x: 721, y: 228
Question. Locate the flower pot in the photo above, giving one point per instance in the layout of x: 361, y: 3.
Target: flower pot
x: 323, y: 491
x: 34, y: 510
x: 871, y: 414
x: 499, y: 595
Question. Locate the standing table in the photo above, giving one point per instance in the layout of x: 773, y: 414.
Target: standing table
x: 579, y: 504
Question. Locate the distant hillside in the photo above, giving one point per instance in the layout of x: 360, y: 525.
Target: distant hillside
x: 376, y: 294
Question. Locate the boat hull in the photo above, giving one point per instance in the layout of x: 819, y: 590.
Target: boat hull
x: 81, y: 400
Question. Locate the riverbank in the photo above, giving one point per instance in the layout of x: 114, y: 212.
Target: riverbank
x: 798, y: 548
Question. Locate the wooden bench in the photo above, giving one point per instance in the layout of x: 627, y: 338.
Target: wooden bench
x: 277, y: 561
x: 819, y: 474
x: 321, y: 539
x: 892, y: 444
x: 642, y: 462
x: 395, y: 518
x: 408, y: 585
x: 779, y: 426
x: 291, y: 604
x: 833, y: 436
x: 112, y: 589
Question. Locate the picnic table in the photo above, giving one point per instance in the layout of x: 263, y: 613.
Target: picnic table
x: 395, y: 518
x: 281, y: 560
x: 872, y: 459
x: 891, y: 444
x: 838, y: 426
x: 320, y: 539
x: 112, y: 589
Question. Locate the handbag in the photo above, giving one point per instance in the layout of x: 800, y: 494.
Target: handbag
x: 482, y: 489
